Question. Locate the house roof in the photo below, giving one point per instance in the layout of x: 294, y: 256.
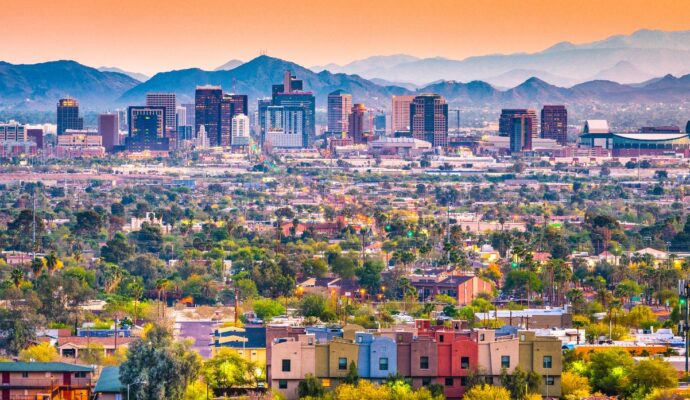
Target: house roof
x: 42, y: 367
x: 109, y: 381
x: 81, y: 342
x: 248, y: 337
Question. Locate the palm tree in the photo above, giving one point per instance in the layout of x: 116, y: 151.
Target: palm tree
x: 37, y: 265
x: 53, y: 262
x: 17, y: 277
x: 161, y: 283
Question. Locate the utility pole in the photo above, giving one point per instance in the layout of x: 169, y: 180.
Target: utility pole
x: 684, y: 293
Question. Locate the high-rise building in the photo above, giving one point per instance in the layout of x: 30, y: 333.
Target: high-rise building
x: 189, y: 114
x: 181, y: 116
x: 207, y: 101
x: 68, y: 115
x: 146, y: 129
x: 167, y: 101
x: 356, y: 124
x: 262, y: 108
x: 380, y: 124
x: 35, y: 135
x: 554, y: 123
x: 339, y: 105
x: 286, y: 127
x: 505, y: 121
x: 230, y: 106
x: 521, y: 134
x: 429, y: 119
x: 12, y: 132
x: 108, y: 128
x: 400, y: 108
x: 290, y: 95
x: 240, y: 131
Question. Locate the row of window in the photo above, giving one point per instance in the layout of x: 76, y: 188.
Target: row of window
x: 549, y: 380
x: 547, y: 363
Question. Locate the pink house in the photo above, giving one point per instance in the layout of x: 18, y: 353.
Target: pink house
x: 291, y: 360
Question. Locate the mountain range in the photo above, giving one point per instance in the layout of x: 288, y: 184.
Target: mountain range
x: 39, y: 86
x: 641, y: 55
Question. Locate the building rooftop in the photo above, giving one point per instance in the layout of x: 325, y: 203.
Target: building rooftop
x: 109, y: 381
x: 596, y: 126
x: 42, y: 367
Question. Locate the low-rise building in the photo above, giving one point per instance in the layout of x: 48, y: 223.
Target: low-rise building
x: 543, y: 355
x: 291, y: 360
x: 45, y: 380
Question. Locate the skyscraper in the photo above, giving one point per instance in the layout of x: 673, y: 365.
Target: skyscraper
x: 339, y: 105
x: 262, y: 108
x: 240, y: 131
x: 357, y: 120
x: 285, y: 126
x: 108, y: 129
x: 181, y: 116
x: 290, y: 95
x: 146, y: 129
x: 521, y: 134
x: 400, y: 107
x: 380, y: 124
x: 429, y: 119
x: 554, y: 123
x: 68, y: 115
x: 505, y: 121
x: 167, y: 101
x: 189, y: 114
x: 230, y: 106
x: 207, y: 101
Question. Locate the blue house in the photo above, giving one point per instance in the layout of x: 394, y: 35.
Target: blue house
x: 324, y: 334
x: 378, y: 356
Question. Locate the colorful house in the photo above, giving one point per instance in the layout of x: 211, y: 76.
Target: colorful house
x: 543, y: 355
x: 291, y: 360
x: 496, y: 353
x: 333, y: 360
x: 248, y: 342
x: 378, y: 356
x: 45, y: 380
x: 457, y: 360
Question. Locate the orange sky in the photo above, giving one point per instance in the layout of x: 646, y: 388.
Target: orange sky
x: 153, y: 35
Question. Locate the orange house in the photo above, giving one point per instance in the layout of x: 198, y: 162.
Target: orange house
x: 45, y: 381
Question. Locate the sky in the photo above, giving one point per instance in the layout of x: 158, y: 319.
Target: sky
x: 149, y: 36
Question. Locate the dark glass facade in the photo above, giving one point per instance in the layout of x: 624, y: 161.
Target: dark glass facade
x: 207, y: 105
x: 68, y: 115
x: 429, y: 119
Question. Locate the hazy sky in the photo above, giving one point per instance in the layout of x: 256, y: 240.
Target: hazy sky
x: 152, y: 35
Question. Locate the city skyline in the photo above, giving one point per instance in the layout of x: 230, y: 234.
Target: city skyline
x: 452, y: 29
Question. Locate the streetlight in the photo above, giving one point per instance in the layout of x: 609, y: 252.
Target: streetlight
x: 135, y: 383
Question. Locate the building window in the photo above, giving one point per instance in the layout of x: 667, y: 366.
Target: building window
x: 548, y: 361
x: 449, y: 381
x: 325, y: 382
x: 25, y: 374
x: 489, y: 380
x: 522, y: 338
x: 481, y: 337
x: 286, y: 365
x: 465, y: 362
x: 440, y: 338
x: 426, y: 381
x: 505, y: 361
x: 463, y: 381
x: 550, y: 380
x: 383, y: 363
x: 424, y: 362
x: 80, y: 374
x: 342, y: 363
x: 282, y: 384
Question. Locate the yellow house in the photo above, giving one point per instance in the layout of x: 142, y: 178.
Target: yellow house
x: 247, y: 342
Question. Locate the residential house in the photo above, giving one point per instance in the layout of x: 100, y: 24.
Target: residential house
x: 248, y: 342
x: 464, y: 288
x: 45, y: 381
x: 333, y: 360
x: 543, y: 355
x: 109, y: 386
x: 378, y: 356
x: 496, y: 353
x: 291, y: 360
x: 457, y: 361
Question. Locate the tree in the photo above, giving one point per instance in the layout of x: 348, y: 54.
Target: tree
x: 520, y: 383
x: 608, y: 370
x: 227, y: 370
x: 314, y: 267
x: 117, y: 249
x: 352, y: 376
x: 88, y: 222
x: 574, y: 386
x: 344, y: 267
x: 640, y: 316
x: 266, y: 309
x: 158, y: 368
x: 18, y: 328
x: 651, y: 374
x: 42, y: 352
x: 487, y: 392
x: 310, y: 386
x: 369, y: 275
x: 17, y: 277
x: 148, y: 239
x: 312, y: 305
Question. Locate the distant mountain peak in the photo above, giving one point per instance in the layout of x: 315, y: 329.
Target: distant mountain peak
x: 230, y: 65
